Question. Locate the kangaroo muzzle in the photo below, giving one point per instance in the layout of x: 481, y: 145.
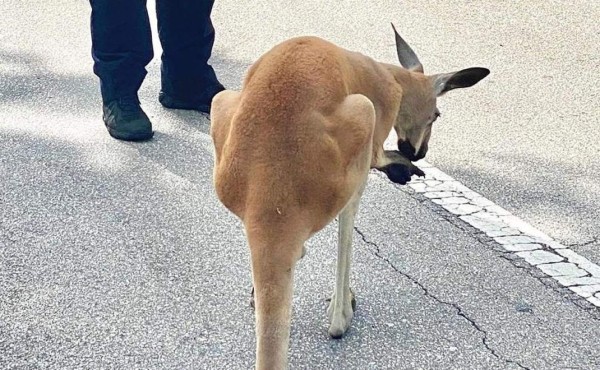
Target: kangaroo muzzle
x: 409, y: 151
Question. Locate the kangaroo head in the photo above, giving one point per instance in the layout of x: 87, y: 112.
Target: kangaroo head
x: 418, y: 108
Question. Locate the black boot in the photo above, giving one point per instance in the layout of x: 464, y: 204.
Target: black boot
x: 200, y: 102
x: 125, y: 119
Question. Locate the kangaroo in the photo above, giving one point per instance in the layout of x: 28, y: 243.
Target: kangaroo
x: 293, y: 150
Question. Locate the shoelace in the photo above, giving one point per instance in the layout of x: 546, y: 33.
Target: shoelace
x: 130, y: 105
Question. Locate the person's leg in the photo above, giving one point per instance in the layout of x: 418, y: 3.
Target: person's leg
x: 121, y: 49
x: 187, y: 37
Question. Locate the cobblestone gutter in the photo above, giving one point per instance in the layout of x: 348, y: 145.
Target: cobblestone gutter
x: 517, y: 237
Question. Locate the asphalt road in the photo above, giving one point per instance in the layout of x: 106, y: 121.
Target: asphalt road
x: 118, y: 255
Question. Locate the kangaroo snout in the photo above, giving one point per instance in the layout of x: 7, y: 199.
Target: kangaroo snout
x: 409, y: 151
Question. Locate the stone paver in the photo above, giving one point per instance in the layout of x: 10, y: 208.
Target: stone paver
x: 581, y: 261
x: 562, y: 269
x: 495, y: 209
x: 571, y: 280
x: 586, y: 291
x: 539, y: 257
x: 524, y: 247
x: 503, y: 232
x: 462, y: 209
x: 441, y: 194
x: 480, y: 201
x: 451, y: 200
x: 514, y: 239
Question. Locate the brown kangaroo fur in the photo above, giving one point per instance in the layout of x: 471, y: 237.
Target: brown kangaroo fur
x: 293, y: 150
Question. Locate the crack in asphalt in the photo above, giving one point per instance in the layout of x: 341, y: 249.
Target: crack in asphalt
x: 594, y: 240
x: 519, y: 263
x: 459, y: 310
x: 511, y: 257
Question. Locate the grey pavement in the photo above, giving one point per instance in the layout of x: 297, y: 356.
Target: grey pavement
x: 119, y: 255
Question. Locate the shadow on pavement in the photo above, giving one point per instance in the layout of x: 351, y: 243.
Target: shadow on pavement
x: 25, y: 81
x: 106, y: 256
x: 550, y: 204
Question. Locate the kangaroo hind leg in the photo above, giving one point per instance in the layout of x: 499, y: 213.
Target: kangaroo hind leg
x: 356, y: 122
x: 343, y: 303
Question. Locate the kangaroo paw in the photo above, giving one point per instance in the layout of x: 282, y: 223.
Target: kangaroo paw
x: 400, y: 170
x: 401, y: 173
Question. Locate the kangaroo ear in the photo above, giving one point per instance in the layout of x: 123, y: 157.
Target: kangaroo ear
x: 406, y: 56
x: 465, y: 78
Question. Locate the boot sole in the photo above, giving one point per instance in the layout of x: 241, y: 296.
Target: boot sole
x: 171, y: 103
x: 127, y: 136
x: 202, y: 109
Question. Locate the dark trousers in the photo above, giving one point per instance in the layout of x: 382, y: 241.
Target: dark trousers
x: 122, y: 46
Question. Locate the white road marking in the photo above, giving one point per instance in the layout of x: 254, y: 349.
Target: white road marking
x: 554, y: 259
